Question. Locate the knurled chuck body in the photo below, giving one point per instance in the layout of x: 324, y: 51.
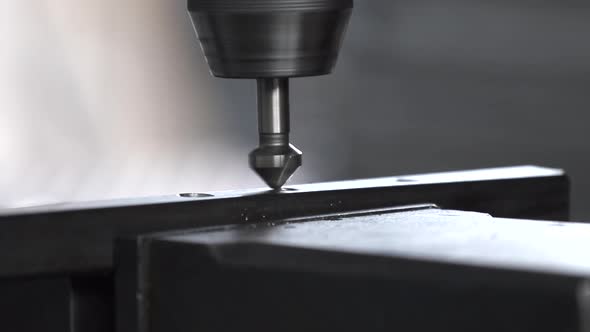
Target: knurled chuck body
x: 270, y: 38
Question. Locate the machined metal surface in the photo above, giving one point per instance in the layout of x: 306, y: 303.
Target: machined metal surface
x: 275, y: 160
x: 78, y: 238
x: 273, y: 106
x: 58, y: 263
x: 413, y: 269
x: 421, y: 232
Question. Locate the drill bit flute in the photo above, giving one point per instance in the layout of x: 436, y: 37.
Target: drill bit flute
x: 270, y: 41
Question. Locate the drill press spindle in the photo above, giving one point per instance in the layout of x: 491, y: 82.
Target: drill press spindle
x: 270, y: 41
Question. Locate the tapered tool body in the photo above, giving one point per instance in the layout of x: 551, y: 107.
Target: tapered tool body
x: 271, y: 40
x: 275, y: 159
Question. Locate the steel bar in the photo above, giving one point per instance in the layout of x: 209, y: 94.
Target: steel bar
x: 78, y: 238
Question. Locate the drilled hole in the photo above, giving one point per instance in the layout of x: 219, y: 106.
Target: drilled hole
x: 194, y: 195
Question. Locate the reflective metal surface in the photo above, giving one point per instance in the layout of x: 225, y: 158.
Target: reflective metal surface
x: 405, y: 269
x: 275, y: 160
x: 273, y: 106
x: 271, y: 40
x: 250, y: 39
x: 84, y: 242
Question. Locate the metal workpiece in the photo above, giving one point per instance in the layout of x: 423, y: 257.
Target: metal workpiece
x: 270, y: 38
x: 346, y: 251
x: 275, y: 160
x: 416, y: 269
x: 84, y: 243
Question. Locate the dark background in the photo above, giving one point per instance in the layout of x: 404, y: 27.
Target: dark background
x: 109, y: 98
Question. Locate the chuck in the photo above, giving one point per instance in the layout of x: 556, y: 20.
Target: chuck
x: 271, y: 41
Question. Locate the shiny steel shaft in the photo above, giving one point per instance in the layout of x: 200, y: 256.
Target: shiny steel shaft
x: 273, y: 111
x: 275, y: 160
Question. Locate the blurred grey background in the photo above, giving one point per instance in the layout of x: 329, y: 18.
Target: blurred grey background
x: 105, y: 98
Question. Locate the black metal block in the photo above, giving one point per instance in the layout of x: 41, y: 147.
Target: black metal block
x: 417, y: 270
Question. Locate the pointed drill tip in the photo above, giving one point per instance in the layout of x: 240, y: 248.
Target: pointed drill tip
x: 274, y: 177
x: 275, y: 164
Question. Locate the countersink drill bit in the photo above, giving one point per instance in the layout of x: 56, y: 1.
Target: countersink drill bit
x: 270, y: 41
x: 275, y: 159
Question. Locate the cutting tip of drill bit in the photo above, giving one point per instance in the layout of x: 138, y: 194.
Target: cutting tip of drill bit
x: 274, y: 178
x: 275, y: 164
